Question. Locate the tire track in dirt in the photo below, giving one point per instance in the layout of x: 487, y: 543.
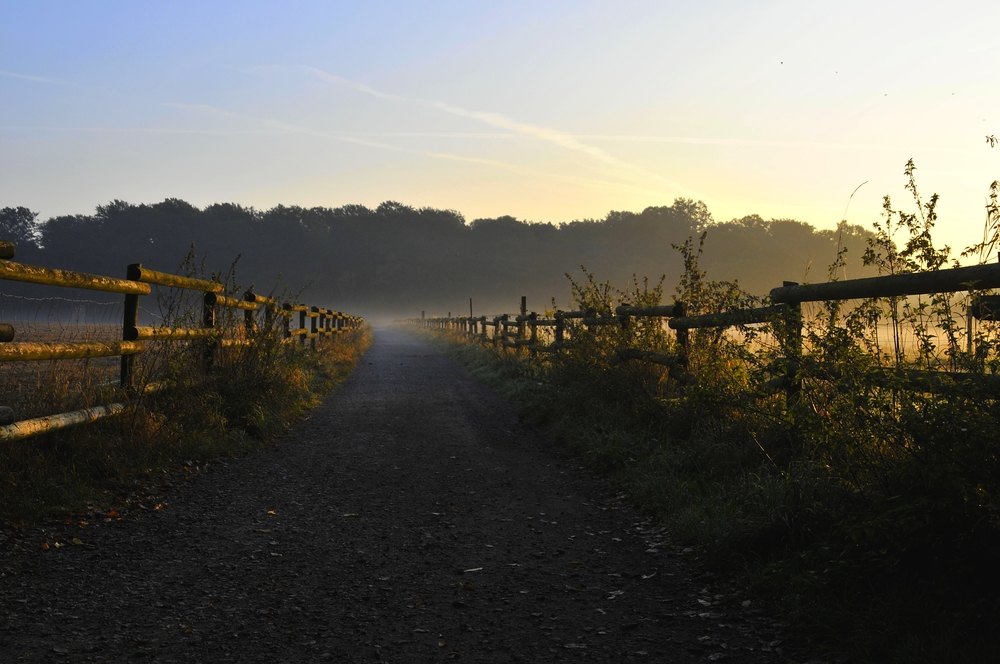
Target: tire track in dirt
x: 410, y: 518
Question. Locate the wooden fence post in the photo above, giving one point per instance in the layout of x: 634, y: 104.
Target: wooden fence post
x: 269, y: 310
x: 312, y: 325
x: 682, y: 336
x: 130, y: 321
x: 534, y: 336
x: 793, y: 347
x: 288, y: 320
x: 302, y: 326
x: 248, y: 314
x: 208, y: 321
x: 560, y: 327
x: 521, y: 332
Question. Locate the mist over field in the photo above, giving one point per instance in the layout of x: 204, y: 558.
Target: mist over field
x: 395, y: 260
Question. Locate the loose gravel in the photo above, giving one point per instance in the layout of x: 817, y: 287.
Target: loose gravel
x: 411, y: 518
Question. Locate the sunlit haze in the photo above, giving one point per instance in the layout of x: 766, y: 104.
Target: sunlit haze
x: 548, y: 111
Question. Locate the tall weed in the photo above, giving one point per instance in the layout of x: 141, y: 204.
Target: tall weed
x: 256, y: 388
x: 865, y: 502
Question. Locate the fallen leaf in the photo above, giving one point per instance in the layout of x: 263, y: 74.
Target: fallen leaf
x: 112, y: 514
x: 45, y: 546
x: 441, y: 644
x: 270, y: 511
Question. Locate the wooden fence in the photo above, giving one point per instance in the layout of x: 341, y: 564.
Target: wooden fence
x: 783, y: 314
x: 314, y: 324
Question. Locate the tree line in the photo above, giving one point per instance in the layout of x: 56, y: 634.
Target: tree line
x: 398, y: 260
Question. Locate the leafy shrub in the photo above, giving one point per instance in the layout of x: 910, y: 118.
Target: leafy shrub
x: 862, y: 493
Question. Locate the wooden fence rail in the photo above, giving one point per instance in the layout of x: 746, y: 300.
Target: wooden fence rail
x: 138, y: 282
x: 783, y: 313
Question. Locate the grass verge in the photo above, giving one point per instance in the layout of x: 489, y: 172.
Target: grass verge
x: 903, y: 577
x: 248, y: 400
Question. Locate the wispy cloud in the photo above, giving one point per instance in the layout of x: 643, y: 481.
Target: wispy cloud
x: 133, y: 130
x: 39, y: 79
x: 761, y: 143
x: 433, y: 134
x: 615, y: 166
x: 285, y: 127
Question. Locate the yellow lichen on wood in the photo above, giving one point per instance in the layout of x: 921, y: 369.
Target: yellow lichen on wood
x: 40, y: 425
x: 145, y: 275
x: 171, y: 333
x: 21, y: 351
x: 51, y: 277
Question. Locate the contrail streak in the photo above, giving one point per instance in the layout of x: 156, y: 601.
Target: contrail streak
x: 621, y: 169
x: 513, y: 168
x: 761, y: 143
x: 39, y: 79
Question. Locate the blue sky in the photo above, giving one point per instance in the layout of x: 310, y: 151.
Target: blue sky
x: 549, y: 111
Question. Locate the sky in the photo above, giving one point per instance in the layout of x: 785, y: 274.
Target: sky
x: 549, y: 111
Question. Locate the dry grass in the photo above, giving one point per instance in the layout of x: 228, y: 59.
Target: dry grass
x: 252, y: 395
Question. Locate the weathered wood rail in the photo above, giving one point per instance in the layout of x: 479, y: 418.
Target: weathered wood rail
x: 782, y: 313
x: 140, y: 281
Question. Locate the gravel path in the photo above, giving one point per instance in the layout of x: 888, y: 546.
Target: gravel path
x: 411, y: 518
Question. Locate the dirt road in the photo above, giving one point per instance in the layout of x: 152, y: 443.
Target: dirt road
x: 411, y: 518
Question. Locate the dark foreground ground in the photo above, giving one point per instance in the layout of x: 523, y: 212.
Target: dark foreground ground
x: 411, y: 518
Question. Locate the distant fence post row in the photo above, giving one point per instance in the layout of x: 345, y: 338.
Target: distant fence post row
x: 783, y: 313
x: 138, y: 282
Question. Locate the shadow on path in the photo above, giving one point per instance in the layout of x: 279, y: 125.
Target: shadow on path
x: 409, y: 519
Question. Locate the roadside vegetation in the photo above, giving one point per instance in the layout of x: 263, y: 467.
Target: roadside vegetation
x: 179, y: 418
x: 866, y: 507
